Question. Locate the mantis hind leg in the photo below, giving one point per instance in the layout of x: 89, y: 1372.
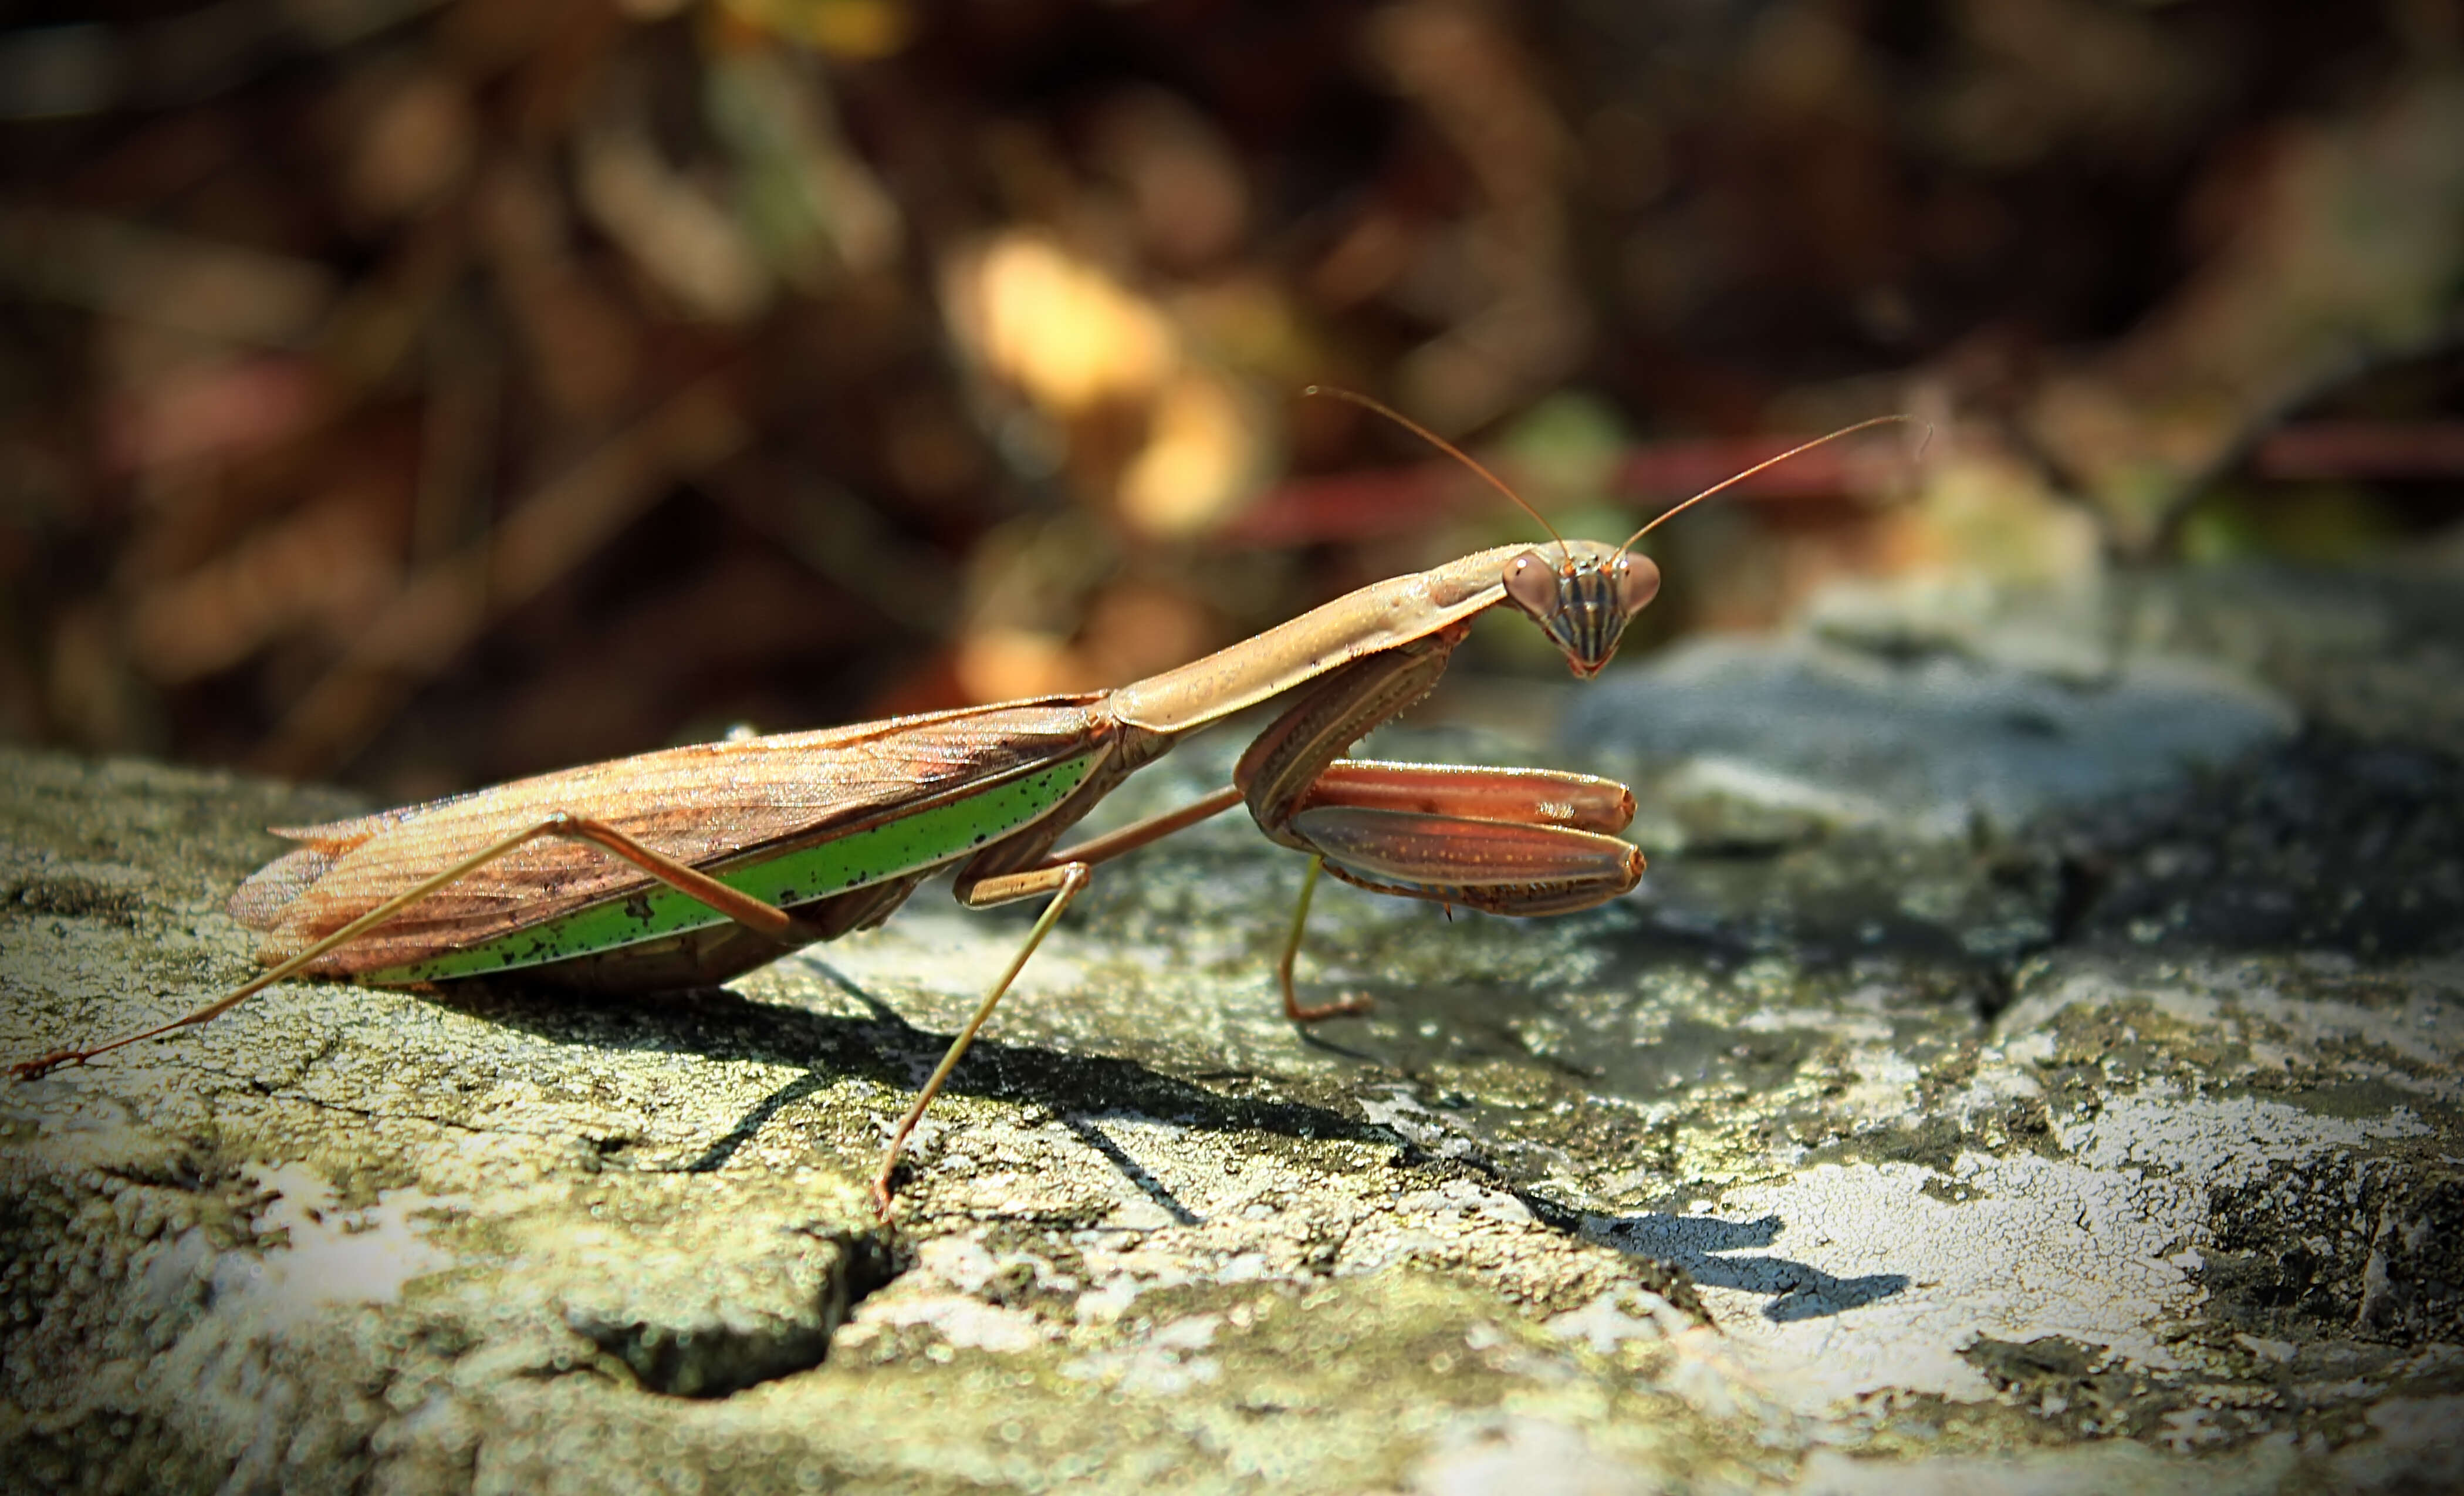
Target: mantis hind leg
x: 1292, y: 1006
x: 742, y: 908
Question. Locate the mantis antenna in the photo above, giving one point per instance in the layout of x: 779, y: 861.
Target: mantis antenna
x: 1735, y: 478
x: 1442, y: 445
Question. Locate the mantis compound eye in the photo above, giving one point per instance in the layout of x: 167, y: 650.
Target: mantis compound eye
x: 1637, y: 579
x: 1532, y: 585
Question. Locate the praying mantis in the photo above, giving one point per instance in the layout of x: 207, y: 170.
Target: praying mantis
x: 686, y: 867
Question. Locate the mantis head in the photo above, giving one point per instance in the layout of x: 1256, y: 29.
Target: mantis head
x: 1583, y: 599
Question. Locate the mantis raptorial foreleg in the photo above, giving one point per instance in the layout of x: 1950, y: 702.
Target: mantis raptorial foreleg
x: 1505, y: 840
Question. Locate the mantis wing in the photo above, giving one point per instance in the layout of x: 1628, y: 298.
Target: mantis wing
x: 709, y: 803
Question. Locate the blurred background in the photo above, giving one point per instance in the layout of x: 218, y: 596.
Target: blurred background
x: 417, y: 394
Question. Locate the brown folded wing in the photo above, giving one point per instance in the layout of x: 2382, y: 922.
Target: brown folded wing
x: 695, y: 803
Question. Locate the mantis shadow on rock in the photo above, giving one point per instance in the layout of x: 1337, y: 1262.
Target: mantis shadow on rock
x: 1797, y: 1290
x: 719, y: 1024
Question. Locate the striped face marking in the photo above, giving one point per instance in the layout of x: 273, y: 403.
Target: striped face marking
x: 906, y: 844
x: 1580, y: 603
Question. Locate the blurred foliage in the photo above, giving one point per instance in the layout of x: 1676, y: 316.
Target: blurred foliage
x: 424, y: 393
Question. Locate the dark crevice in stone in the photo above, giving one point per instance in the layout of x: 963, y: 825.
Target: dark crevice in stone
x: 717, y: 1360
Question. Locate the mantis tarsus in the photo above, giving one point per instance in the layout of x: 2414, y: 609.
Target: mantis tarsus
x: 686, y: 867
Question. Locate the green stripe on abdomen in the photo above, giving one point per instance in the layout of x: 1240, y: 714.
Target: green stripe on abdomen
x: 922, y: 839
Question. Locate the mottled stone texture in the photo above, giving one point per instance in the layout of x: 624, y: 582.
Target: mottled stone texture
x: 2032, y: 1063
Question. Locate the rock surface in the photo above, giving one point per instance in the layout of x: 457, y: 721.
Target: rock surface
x: 2018, y: 1071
